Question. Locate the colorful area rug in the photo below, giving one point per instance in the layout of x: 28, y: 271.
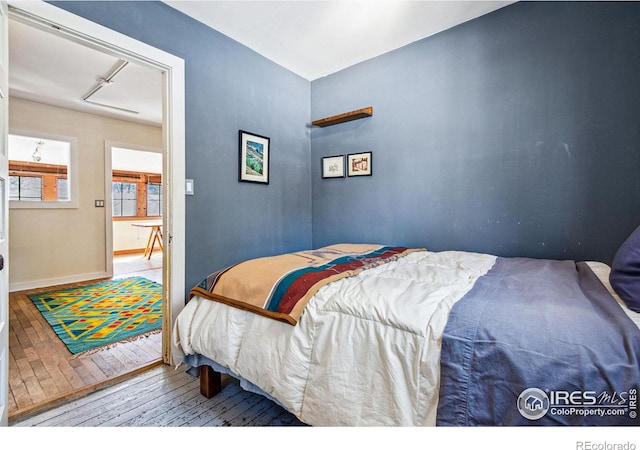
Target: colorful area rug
x: 88, y: 318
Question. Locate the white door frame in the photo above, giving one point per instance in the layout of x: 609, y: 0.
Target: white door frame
x: 4, y: 217
x: 109, y: 41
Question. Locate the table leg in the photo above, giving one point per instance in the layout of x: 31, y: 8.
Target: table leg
x: 149, y: 246
x: 156, y: 233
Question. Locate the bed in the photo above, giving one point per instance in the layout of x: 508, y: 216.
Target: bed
x: 388, y: 336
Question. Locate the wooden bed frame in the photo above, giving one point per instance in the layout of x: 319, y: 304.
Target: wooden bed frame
x: 210, y: 381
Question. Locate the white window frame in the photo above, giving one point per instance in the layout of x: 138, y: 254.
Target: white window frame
x: 72, y: 174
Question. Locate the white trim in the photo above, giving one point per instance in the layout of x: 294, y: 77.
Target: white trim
x: 74, y: 176
x: 108, y: 209
x: 4, y: 220
x: 14, y: 287
x: 110, y: 41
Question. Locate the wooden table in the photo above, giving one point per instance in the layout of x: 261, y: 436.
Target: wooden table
x: 155, y: 235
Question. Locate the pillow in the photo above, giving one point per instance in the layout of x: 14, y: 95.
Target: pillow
x: 625, y: 271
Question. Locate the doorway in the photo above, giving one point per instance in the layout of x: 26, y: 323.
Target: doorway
x: 45, y: 16
x: 135, y: 188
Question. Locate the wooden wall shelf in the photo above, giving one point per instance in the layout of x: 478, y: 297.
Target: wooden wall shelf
x: 346, y: 117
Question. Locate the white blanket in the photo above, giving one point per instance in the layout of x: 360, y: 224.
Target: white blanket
x: 365, y: 352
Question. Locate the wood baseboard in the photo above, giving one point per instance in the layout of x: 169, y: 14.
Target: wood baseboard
x: 132, y: 251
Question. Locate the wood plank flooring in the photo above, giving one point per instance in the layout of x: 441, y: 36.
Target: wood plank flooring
x: 42, y: 372
x: 164, y: 396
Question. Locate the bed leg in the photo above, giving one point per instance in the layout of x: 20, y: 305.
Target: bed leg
x: 210, y: 381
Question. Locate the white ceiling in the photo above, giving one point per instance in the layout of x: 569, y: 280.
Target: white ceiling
x: 310, y: 38
x: 317, y: 38
x: 51, y: 69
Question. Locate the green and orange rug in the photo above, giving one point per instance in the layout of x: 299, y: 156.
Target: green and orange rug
x: 88, y: 318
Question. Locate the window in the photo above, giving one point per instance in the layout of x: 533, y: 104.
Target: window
x: 137, y: 175
x: 41, y: 171
x: 63, y: 189
x: 154, y: 199
x: 136, y: 194
x: 23, y: 188
x: 125, y: 199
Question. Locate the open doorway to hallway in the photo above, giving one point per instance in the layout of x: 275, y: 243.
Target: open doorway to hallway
x: 41, y: 370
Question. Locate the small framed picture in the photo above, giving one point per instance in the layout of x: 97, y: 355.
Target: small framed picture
x: 333, y: 167
x: 254, y: 153
x: 359, y: 164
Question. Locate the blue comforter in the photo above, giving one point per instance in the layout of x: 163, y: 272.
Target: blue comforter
x: 539, y: 342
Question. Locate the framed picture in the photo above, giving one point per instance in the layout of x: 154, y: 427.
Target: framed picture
x: 359, y: 164
x: 254, y: 158
x: 333, y: 167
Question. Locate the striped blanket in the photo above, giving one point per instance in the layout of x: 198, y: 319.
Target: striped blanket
x: 280, y: 286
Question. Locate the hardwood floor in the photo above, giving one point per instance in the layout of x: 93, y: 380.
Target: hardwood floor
x: 41, y: 369
x: 164, y: 397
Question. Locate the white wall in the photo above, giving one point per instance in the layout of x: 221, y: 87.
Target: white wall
x: 127, y: 237
x: 49, y: 246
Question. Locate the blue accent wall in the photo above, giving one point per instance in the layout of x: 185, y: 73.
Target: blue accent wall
x: 228, y: 88
x: 516, y: 134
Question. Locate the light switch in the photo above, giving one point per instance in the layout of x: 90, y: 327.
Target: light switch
x: 99, y: 203
x: 189, y: 188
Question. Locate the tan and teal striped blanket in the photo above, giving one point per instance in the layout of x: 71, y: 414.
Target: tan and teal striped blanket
x: 280, y: 286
